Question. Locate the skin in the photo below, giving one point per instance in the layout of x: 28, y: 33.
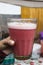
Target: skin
x: 7, y: 41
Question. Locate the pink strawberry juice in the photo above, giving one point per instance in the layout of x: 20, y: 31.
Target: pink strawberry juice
x: 23, y: 35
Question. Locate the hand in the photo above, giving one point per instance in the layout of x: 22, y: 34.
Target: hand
x: 6, y: 42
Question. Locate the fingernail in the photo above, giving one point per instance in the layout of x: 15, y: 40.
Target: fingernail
x: 12, y: 42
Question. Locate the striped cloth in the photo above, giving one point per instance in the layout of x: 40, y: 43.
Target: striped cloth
x: 9, y: 60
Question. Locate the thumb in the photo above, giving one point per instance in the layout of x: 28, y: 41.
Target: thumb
x: 11, y: 42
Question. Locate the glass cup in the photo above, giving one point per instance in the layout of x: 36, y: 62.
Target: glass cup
x: 22, y: 31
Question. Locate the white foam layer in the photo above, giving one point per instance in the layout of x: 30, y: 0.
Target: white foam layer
x: 22, y: 25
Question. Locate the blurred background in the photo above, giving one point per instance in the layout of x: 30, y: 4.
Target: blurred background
x: 7, y: 11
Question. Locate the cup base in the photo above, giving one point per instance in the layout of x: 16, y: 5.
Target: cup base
x: 22, y: 57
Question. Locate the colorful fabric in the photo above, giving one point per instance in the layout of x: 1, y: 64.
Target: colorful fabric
x: 9, y: 60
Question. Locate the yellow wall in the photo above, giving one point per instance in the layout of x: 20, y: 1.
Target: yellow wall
x: 33, y: 13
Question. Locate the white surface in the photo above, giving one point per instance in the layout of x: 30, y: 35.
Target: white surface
x: 36, y: 47
x: 36, y: 51
x: 9, y: 9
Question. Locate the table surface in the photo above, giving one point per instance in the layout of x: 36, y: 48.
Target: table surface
x: 35, y: 58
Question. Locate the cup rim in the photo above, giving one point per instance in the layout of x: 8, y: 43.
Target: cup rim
x: 21, y: 19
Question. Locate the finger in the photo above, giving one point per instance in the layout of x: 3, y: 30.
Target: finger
x: 2, y: 47
x: 11, y: 42
x: 8, y: 38
x: 5, y: 40
x: 7, y: 45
